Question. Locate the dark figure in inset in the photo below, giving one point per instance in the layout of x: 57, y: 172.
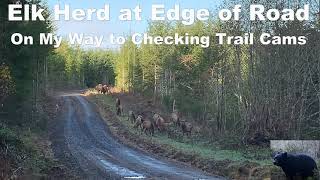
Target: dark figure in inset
x: 295, y: 165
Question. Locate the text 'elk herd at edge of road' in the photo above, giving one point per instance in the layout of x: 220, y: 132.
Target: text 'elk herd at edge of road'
x: 149, y: 126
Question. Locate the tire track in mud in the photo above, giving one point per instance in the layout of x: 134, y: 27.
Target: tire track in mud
x: 101, y: 156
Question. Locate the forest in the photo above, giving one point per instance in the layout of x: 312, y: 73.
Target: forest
x: 247, y: 91
x: 245, y: 94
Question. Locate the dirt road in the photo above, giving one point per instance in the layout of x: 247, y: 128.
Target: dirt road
x: 88, y: 143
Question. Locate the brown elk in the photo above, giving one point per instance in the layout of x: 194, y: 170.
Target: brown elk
x: 138, y: 122
x: 105, y: 89
x: 159, y: 122
x: 156, y: 116
x: 99, y: 88
x: 148, y: 126
x: 186, y: 128
x: 175, y: 118
x: 131, y: 117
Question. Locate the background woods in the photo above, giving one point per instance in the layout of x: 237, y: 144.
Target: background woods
x: 72, y: 67
x: 255, y: 91
x: 23, y: 84
x: 23, y: 68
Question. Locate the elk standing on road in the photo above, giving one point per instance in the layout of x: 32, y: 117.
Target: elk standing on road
x: 99, y: 88
x: 105, y: 89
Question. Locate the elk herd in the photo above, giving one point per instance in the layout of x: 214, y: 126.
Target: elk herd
x: 149, y: 125
x: 155, y: 122
x: 104, y: 89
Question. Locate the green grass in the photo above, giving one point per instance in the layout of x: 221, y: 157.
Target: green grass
x: 207, y: 152
x: 193, y: 146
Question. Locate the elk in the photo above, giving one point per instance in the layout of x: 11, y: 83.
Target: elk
x: 148, y: 126
x: 138, y: 122
x: 119, y: 110
x: 175, y: 118
x: 131, y: 117
x: 57, y: 107
x: 186, y: 128
x: 159, y: 122
x: 99, y: 88
x: 118, y: 102
x: 105, y: 89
